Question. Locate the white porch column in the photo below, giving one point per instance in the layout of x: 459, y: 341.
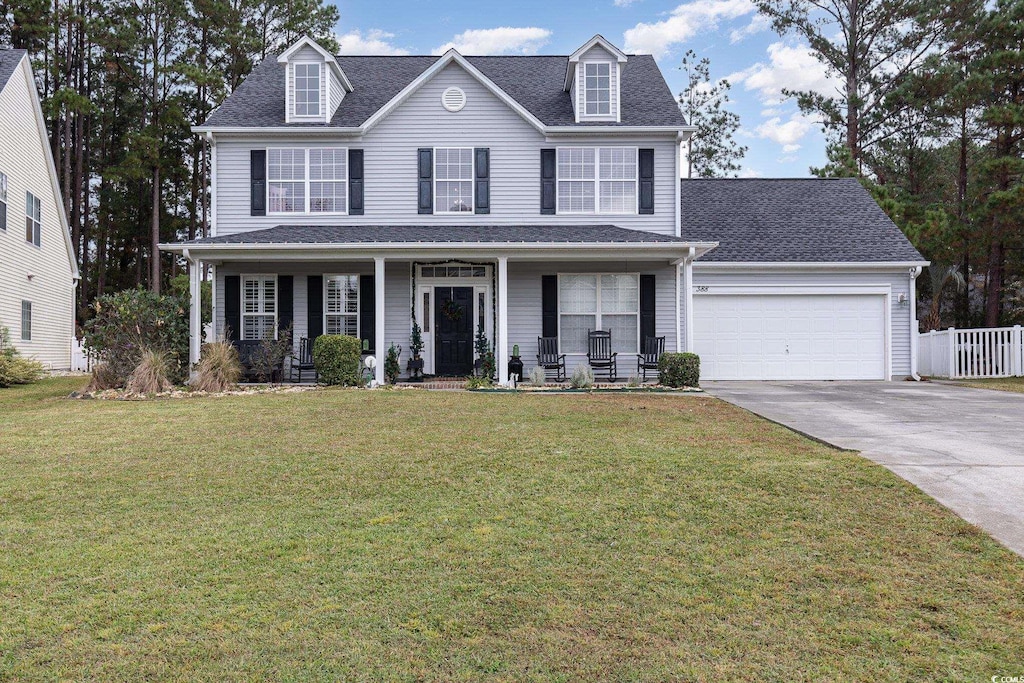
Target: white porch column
x: 688, y: 298
x: 379, y: 351
x: 501, y: 334
x: 195, y: 312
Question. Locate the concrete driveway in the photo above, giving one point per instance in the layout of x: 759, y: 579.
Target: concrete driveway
x: 964, y: 447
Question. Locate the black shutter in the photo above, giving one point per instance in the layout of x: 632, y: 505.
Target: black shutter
x: 285, y: 302
x: 549, y: 305
x: 314, y: 306
x: 482, y: 164
x: 355, y: 182
x: 646, y: 181
x: 647, y: 307
x: 368, y: 311
x: 258, y: 182
x: 548, y: 192
x: 425, y: 187
x: 232, y: 307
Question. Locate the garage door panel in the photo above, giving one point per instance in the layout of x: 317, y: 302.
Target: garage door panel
x: 783, y: 336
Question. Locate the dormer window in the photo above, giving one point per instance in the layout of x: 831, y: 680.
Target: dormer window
x: 597, y: 88
x: 307, y: 89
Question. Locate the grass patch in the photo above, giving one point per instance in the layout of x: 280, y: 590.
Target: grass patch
x: 1015, y: 384
x: 347, y: 535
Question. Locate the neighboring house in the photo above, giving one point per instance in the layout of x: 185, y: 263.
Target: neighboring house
x: 532, y: 197
x: 38, y: 273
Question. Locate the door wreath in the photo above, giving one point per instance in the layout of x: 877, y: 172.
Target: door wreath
x: 452, y: 310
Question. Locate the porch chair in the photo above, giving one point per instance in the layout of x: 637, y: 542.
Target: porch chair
x: 302, y: 361
x: 549, y: 358
x: 651, y: 354
x: 600, y: 354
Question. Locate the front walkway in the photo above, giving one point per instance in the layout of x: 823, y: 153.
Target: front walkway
x: 962, y: 446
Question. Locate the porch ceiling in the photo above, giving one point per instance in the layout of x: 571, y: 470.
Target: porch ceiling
x: 292, y: 242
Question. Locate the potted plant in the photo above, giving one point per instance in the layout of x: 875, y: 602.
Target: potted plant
x: 515, y: 365
x: 484, y: 364
x: 415, y: 364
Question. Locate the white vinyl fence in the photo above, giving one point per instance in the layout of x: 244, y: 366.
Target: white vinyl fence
x: 971, y: 354
x: 81, y: 359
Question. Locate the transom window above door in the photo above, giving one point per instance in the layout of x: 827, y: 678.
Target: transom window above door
x: 453, y: 179
x: 307, y: 180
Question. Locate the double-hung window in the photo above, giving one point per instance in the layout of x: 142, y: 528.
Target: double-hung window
x: 453, y: 184
x: 307, y: 89
x: 3, y: 201
x: 313, y: 180
x: 599, y: 302
x: 259, y: 307
x: 33, y: 219
x: 341, y: 304
x: 597, y: 88
x: 597, y: 180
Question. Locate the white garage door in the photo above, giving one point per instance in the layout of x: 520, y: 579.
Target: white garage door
x: 790, y: 337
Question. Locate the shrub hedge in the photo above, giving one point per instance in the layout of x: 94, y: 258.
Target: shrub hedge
x: 338, y: 359
x: 679, y: 370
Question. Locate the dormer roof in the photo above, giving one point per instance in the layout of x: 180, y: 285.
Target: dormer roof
x: 574, y: 58
x: 329, y: 59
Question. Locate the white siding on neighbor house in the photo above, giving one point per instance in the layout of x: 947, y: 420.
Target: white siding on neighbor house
x: 337, y: 93
x: 51, y: 288
x: 390, y: 165
x: 898, y: 280
x: 597, y: 54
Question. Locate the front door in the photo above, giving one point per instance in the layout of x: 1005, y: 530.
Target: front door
x: 453, y: 331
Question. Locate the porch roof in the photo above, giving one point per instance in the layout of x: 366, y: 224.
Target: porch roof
x: 329, y: 240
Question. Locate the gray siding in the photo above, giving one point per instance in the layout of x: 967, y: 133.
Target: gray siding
x: 899, y: 280
x: 390, y: 165
x: 308, y: 54
x: 597, y: 54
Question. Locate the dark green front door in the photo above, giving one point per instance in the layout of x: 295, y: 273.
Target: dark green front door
x: 453, y: 331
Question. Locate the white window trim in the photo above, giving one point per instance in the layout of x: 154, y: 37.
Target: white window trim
x: 597, y: 183
x: 277, y: 302
x: 30, y: 320
x: 306, y: 207
x: 320, y: 92
x: 37, y: 224
x: 611, y: 77
x: 597, y: 314
x: 472, y: 182
x: 327, y: 277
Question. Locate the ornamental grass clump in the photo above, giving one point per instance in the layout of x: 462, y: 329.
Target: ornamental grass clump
x: 219, y: 369
x: 151, y: 375
x: 537, y: 377
x: 103, y: 378
x: 582, y: 378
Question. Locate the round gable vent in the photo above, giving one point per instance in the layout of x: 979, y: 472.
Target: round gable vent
x: 453, y: 99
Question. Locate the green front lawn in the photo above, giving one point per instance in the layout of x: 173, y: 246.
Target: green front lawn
x: 406, y: 535
x: 1004, y: 384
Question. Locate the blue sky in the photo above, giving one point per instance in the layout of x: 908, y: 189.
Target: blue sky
x: 740, y: 45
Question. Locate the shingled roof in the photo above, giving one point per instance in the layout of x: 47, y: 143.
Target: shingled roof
x: 535, y: 82
x: 441, y: 234
x: 802, y: 220
x: 9, y: 60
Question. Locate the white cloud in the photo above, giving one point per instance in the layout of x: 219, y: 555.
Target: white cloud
x: 759, y: 23
x: 495, y: 41
x: 786, y: 133
x: 623, y: 3
x: 789, y: 66
x: 747, y: 172
x: 683, y: 23
x: 373, y: 42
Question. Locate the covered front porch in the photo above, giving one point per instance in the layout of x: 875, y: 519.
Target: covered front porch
x: 457, y: 293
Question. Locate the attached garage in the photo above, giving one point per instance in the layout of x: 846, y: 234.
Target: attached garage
x: 780, y: 334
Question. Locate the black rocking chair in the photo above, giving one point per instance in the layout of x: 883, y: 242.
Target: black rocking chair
x: 600, y: 354
x: 648, y: 360
x: 303, y: 361
x: 549, y: 358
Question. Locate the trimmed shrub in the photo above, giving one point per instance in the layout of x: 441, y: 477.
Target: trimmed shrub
x: 14, y: 369
x: 338, y: 360
x: 679, y: 370
x: 151, y: 374
x: 392, y: 369
x: 219, y: 369
x: 131, y: 322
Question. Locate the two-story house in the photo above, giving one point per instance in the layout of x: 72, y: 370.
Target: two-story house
x: 38, y: 272
x: 531, y: 196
